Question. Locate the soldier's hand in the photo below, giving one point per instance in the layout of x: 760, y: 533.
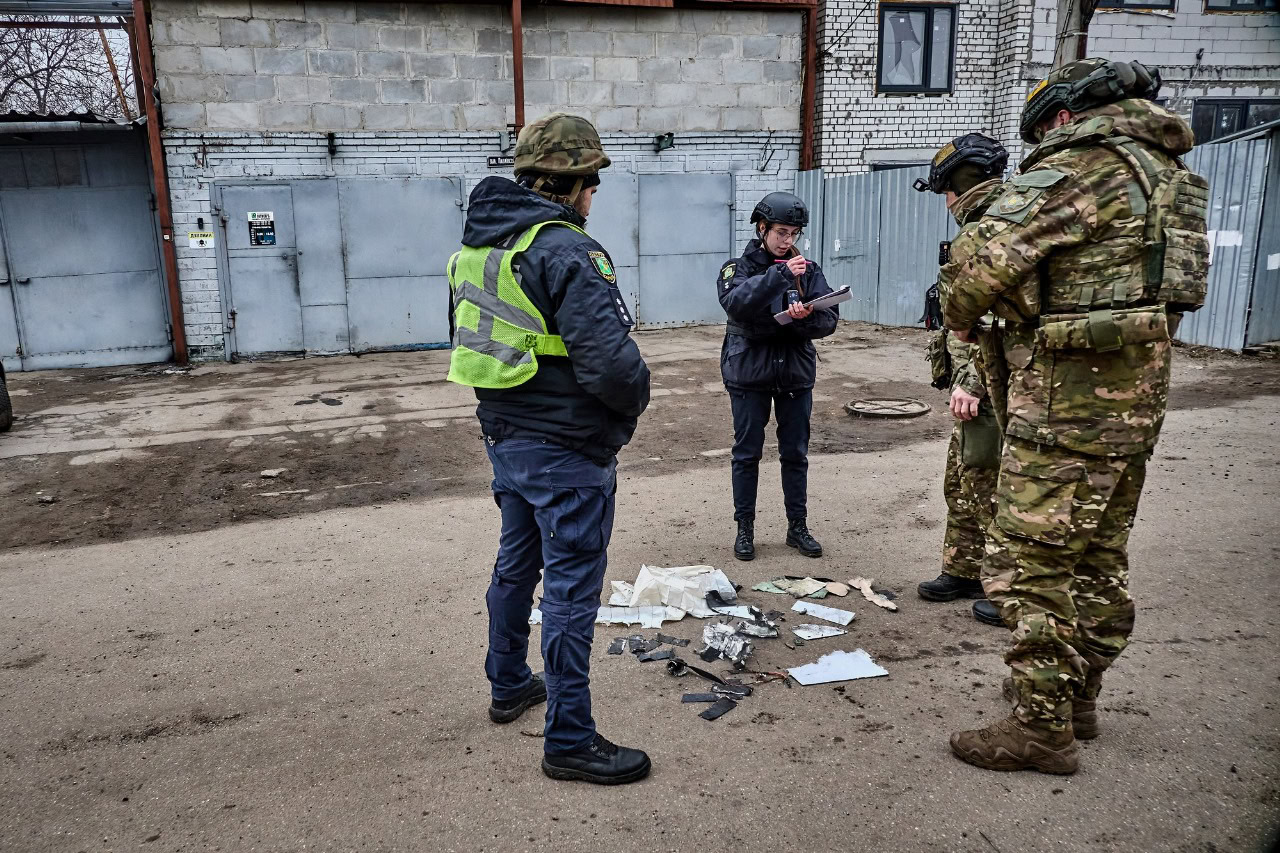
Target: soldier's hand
x: 965, y: 336
x: 797, y: 265
x: 964, y: 406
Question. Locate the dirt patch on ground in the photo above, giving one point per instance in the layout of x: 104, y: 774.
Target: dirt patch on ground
x: 62, y: 498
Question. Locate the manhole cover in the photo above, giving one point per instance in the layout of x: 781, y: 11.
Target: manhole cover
x: 887, y: 408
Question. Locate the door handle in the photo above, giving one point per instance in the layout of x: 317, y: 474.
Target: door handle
x: 24, y: 281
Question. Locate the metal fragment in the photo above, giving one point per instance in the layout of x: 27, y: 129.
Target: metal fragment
x: 722, y: 706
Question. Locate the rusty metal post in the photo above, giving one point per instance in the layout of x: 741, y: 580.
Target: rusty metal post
x: 146, y: 72
x: 807, y: 128
x: 115, y: 75
x: 517, y: 60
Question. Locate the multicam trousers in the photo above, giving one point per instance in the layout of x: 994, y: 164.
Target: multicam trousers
x: 1058, y: 570
x: 969, y: 511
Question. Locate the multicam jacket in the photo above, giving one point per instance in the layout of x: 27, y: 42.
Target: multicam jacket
x: 967, y: 210
x: 1062, y: 256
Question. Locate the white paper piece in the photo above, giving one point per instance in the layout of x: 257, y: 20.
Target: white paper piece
x: 683, y: 587
x: 648, y: 616
x: 837, y: 666
x: 821, y: 611
x: 1273, y: 261
x: 833, y: 298
x: 622, y: 592
x: 645, y: 617
x: 817, y: 632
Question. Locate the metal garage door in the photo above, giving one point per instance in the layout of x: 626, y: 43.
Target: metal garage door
x: 399, y: 235
x: 81, y: 283
x: 685, y: 236
x: 338, y: 265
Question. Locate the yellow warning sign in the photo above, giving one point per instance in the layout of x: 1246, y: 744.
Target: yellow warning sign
x: 200, y: 239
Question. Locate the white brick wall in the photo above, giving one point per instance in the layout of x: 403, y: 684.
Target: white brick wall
x: 760, y: 162
x: 1004, y: 48
x: 855, y: 120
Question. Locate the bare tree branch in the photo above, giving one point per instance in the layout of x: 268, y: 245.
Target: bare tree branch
x: 65, y: 70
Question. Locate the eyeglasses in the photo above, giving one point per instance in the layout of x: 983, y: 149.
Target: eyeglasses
x: 789, y: 235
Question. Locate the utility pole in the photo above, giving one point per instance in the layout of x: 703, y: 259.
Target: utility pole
x: 1073, y: 30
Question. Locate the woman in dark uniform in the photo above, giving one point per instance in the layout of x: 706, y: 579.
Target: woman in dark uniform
x: 766, y: 364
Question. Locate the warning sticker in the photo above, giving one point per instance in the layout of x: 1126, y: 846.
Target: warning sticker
x: 200, y: 239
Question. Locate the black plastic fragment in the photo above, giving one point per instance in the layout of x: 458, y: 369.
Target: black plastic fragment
x: 618, y: 646
x: 665, y: 654
x: 709, y: 654
x: 723, y: 706
x: 671, y: 641
x: 689, y: 698
x: 640, y: 646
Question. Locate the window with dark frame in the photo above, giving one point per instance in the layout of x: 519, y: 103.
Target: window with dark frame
x: 1162, y: 5
x: 1241, y: 5
x: 917, y: 48
x: 1214, y: 118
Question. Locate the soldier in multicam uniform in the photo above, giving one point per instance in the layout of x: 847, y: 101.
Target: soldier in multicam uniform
x: 1092, y: 253
x: 968, y: 171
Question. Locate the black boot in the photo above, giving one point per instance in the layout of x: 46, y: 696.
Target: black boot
x: 947, y: 587
x: 509, y: 710
x: 600, y: 762
x: 799, y: 537
x: 987, y: 613
x: 744, y: 547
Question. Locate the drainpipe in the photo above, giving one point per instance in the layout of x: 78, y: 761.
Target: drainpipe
x: 147, y: 74
x: 517, y: 60
x: 809, y: 96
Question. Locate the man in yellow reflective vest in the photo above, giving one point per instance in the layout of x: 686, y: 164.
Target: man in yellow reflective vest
x: 541, y: 331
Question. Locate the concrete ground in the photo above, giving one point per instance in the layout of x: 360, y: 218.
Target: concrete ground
x: 199, y: 658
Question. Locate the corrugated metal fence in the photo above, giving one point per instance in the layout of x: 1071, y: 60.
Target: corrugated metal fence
x: 1237, y: 175
x: 880, y: 237
x: 875, y: 234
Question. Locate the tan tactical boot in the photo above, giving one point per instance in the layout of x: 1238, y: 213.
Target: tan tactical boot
x: 1084, y: 712
x: 1014, y: 745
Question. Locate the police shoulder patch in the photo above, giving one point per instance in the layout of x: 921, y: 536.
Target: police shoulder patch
x: 603, y: 266
x: 726, y: 275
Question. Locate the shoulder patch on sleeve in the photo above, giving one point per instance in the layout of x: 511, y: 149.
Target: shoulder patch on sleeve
x: 603, y: 266
x: 1041, y: 178
x: 726, y: 274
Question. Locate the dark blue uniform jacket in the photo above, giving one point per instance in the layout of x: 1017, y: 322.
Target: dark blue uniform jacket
x: 759, y: 354
x: 589, y: 401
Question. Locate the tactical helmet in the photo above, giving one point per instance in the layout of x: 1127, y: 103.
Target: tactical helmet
x: 560, y: 144
x: 1083, y: 84
x: 782, y: 208
x: 974, y: 149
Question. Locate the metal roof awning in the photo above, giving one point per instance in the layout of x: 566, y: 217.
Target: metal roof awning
x: 15, y: 122
x: 66, y: 7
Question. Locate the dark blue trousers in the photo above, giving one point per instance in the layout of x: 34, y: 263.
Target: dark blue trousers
x: 557, y: 517
x: 750, y: 417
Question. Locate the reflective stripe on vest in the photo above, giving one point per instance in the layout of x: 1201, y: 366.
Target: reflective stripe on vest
x: 498, y: 333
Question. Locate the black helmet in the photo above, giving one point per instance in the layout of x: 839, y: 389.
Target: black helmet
x: 981, y: 151
x: 782, y: 208
x: 1084, y: 84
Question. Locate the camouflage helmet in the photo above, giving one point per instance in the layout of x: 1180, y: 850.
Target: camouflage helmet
x: 983, y: 152
x: 560, y: 144
x: 1084, y: 84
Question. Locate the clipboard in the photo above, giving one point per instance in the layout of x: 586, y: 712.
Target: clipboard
x: 833, y: 298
